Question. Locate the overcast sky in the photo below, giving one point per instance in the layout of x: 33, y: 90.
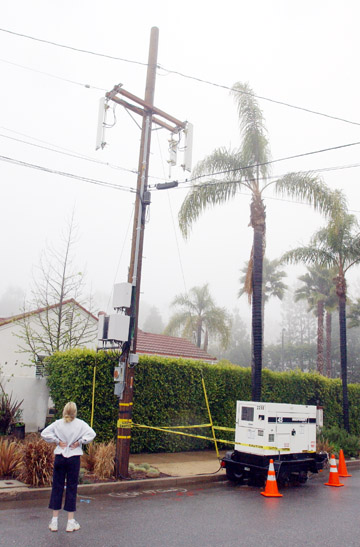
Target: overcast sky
x: 301, y: 53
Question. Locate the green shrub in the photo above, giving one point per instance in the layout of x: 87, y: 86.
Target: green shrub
x: 71, y: 379
x: 341, y: 439
x: 168, y: 393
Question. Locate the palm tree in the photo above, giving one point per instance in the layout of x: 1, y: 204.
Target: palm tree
x: 198, y: 315
x: 335, y: 246
x: 248, y: 168
x: 272, y: 285
x: 318, y: 289
x: 272, y: 281
x: 354, y: 314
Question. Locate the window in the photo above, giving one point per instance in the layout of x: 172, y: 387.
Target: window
x: 247, y: 413
x: 40, y: 371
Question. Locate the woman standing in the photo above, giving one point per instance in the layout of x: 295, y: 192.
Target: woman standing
x: 69, y: 434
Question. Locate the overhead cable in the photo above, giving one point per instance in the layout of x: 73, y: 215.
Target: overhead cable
x: 282, y: 103
x: 88, y: 86
x: 71, y: 154
x: 304, y: 154
x: 183, y: 75
x: 97, y: 54
x: 69, y: 175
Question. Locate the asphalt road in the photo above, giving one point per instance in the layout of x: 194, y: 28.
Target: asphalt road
x: 219, y: 514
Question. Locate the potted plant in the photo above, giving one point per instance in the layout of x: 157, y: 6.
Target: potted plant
x: 9, y: 411
x: 17, y: 428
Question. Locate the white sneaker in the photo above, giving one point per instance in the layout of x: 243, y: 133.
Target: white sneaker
x: 53, y: 526
x: 72, y: 526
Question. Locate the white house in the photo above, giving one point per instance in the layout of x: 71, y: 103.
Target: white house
x: 25, y: 380
x: 20, y: 376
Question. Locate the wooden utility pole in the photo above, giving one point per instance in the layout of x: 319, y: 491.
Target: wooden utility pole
x: 146, y: 109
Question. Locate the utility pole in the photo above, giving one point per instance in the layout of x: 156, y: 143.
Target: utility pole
x: 150, y: 114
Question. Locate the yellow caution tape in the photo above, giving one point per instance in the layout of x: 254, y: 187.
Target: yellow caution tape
x: 232, y: 429
x: 264, y: 447
x: 181, y: 433
x: 125, y: 404
x: 124, y: 436
x: 167, y: 430
x: 124, y: 423
x: 185, y: 426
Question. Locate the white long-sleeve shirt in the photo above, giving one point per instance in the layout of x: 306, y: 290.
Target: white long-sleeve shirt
x: 69, y: 433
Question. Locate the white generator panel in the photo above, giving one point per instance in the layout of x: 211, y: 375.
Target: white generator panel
x: 118, y: 327
x: 122, y: 295
x: 269, y: 429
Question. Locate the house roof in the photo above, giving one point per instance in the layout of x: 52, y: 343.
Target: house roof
x: 147, y: 343
x: 14, y: 318
x: 169, y: 346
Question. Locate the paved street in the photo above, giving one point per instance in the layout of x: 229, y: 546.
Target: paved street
x: 213, y: 515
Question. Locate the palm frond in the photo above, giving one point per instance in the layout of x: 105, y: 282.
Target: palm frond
x: 226, y: 162
x: 309, y: 188
x: 177, y: 322
x: 309, y: 255
x: 199, y: 198
x: 255, y: 149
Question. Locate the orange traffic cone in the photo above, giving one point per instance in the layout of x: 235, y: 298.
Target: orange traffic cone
x: 342, y: 465
x: 271, y: 489
x: 334, y: 475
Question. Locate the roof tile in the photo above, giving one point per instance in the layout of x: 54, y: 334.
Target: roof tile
x: 169, y: 346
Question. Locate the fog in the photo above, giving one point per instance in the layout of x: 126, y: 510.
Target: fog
x: 303, y: 54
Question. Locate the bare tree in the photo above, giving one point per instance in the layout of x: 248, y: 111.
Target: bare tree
x: 60, y: 317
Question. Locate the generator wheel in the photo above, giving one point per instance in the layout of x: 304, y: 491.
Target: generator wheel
x: 233, y: 476
x: 257, y: 479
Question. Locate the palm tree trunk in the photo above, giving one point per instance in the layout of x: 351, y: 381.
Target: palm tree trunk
x: 341, y: 293
x: 320, y: 337
x: 343, y: 361
x: 328, y: 343
x: 198, y: 333
x: 206, y: 340
x: 258, y: 223
x: 257, y: 334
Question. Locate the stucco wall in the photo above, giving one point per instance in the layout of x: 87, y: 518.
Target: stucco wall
x: 19, y: 375
x: 35, y: 394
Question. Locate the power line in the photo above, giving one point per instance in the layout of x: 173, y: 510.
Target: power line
x: 68, y: 152
x: 88, y: 86
x: 172, y: 218
x: 282, y: 103
x: 274, y: 177
x: 73, y: 48
x: 183, y: 75
x: 71, y: 154
x: 69, y: 175
x: 121, y: 254
x: 304, y: 154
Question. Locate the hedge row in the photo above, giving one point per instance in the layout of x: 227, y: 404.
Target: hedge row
x: 169, y: 392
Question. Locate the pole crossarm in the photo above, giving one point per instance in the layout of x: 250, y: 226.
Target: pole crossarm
x: 146, y: 108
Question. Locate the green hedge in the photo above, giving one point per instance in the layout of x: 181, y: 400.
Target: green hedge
x: 168, y: 392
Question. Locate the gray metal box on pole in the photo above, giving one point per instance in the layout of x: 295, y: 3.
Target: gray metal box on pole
x: 118, y: 327
x: 122, y: 295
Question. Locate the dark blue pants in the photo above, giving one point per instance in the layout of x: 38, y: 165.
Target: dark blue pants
x: 65, y: 468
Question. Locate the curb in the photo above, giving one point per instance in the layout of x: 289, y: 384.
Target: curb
x: 28, y: 493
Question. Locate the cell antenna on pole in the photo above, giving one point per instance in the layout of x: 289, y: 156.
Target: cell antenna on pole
x: 100, y: 134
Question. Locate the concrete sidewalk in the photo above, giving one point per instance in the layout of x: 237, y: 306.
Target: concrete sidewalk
x: 181, y: 464
x: 181, y: 468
